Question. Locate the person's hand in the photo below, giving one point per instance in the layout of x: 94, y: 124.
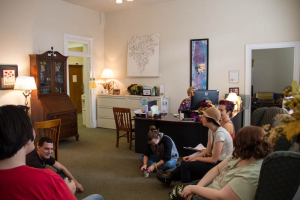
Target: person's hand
x: 150, y: 169
x: 71, y: 185
x: 186, y: 158
x: 144, y: 167
x: 79, y: 187
x: 189, y: 197
x: 187, y: 191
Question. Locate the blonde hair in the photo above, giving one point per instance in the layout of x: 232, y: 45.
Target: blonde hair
x: 190, y: 89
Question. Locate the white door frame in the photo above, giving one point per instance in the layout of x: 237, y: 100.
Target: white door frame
x: 249, y: 48
x: 89, y: 93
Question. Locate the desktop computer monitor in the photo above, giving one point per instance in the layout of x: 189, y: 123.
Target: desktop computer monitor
x: 203, y: 95
x: 151, y: 103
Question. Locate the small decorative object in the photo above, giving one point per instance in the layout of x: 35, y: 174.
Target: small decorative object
x: 135, y: 89
x: 117, y: 91
x: 204, y: 105
x: 146, y: 92
x: 8, y: 74
x: 290, y: 125
x: 199, y: 63
x: 234, y: 90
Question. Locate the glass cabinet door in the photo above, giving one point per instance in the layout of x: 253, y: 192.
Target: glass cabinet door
x: 59, y: 77
x: 45, y: 77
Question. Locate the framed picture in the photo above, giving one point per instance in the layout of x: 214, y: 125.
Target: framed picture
x: 199, y: 63
x: 117, y: 91
x: 8, y: 74
x: 233, y: 76
x: 146, y: 92
x: 234, y: 90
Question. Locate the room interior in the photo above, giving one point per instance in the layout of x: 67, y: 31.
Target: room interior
x: 34, y: 26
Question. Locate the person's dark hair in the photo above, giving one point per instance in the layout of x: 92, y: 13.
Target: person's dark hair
x: 15, y: 130
x: 153, y: 133
x: 43, y: 140
x: 229, y: 106
x: 213, y: 121
x: 250, y: 141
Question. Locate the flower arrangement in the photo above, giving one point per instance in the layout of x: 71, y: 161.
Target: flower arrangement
x: 290, y: 125
x: 204, y: 105
x: 135, y: 89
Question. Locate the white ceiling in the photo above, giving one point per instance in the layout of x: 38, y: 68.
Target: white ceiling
x: 111, y: 5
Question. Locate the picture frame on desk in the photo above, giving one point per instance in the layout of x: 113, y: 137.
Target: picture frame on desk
x: 199, y: 63
x: 8, y: 74
x: 234, y: 90
x: 146, y: 92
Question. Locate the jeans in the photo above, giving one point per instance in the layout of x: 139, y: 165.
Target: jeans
x: 94, y: 197
x: 155, y: 159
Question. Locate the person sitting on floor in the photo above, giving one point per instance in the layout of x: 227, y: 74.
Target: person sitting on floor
x: 237, y: 176
x: 161, y: 152
x: 42, y: 157
x: 226, y: 108
x: 19, y: 181
x: 219, y: 147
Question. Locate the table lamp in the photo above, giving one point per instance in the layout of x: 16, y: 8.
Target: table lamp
x: 27, y: 84
x: 107, y: 74
x: 233, y: 98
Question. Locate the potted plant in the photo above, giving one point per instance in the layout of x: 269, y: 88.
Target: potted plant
x: 135, y: 89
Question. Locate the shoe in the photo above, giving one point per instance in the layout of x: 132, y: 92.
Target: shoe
x: 165, y: 178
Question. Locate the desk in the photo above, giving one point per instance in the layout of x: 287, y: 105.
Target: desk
x: 184, y: 134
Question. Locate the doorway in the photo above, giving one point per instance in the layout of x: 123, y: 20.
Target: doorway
x: 76, y: 85
x: 248, y: 75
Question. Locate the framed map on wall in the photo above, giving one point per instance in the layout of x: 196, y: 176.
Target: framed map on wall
x: 199, y: 64
x: 143, y: 56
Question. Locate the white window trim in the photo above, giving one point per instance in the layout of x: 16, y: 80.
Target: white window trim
x: 249, y: 48
x: 91, y: 122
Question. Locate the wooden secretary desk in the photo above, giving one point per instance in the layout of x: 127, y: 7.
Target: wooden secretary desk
x: 50, y: 100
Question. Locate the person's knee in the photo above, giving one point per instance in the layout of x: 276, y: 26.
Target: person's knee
x: 141, y: 158
x: 94, y: 197
x: 170, y: 164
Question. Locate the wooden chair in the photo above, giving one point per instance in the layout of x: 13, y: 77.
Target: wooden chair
x: 124, y: 123
x: 51, y: 129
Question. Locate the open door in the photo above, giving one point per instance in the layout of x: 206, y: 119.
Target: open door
x: 76, y: 85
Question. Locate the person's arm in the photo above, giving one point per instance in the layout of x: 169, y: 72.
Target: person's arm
x: 63, y: 169
x: 215, y: 156
x: 212, y: 174
x: 145, y: 160
x: 225, y: 193
x: 71, y: 185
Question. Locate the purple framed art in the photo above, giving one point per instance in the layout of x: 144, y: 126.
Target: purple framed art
x: 199, y: 64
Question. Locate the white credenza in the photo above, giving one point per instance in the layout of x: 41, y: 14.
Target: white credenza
x: 105, y: 104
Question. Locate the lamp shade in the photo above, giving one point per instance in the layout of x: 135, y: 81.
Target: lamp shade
x: 25, y: 83
x: 232, y: 97
x: 107, y: 73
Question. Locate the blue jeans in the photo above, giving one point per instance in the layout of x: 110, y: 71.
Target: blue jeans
x: 155, y: 159
x: 94, y: 197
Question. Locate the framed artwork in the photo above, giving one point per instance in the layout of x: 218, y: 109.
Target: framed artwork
x: 8, y: 74
x: 234, y: 90
x: 146, y: 92
x: 233, y: 76
x: 199, y: 63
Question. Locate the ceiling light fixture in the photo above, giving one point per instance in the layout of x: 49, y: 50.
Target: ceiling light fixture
x: 119, y: 1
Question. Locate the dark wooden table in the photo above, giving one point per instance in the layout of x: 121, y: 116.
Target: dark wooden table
x: 184, y: 134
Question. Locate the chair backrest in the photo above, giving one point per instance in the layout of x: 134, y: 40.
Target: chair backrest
x: 51, y: 129
x: 257, y: 116
x: 270, y: 113
x: 122, y: 118
x: 279, y: 176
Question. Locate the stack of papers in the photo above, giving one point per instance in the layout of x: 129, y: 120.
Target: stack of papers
x: 199, y: 147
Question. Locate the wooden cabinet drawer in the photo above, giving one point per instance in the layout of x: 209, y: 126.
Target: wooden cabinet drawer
x: 68, y: 126
x: 105, y: 112
x: 68, y: 133
x: 69, y: 120
x: 62, y: 115
x: 111, y: 101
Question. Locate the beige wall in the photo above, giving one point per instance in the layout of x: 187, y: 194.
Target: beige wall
x: 229, y: 25
x: 34, y: 26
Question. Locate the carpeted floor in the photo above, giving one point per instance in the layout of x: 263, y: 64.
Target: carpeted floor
x: 103, y: 169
